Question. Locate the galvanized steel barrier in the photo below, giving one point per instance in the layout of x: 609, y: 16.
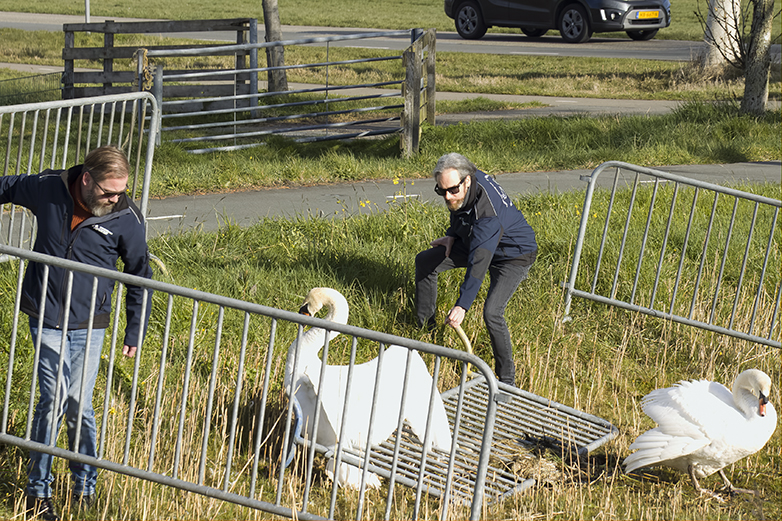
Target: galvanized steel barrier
x: 684, y: 250
x: 59, y: 134
x: 399, y: 108
x: 202, y: 408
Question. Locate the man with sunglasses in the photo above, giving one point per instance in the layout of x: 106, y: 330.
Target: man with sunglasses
x: 487, y: 233
x: 83, y: 214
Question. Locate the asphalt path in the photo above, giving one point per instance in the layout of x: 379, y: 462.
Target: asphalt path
x: 549, y: 45
x: 210, y: 212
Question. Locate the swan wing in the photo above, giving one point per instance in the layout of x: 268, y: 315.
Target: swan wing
x: 693, y: 418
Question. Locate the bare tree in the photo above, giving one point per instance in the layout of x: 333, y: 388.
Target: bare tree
x: 721, y: 34
x: 275, y: 56
x: 758, y: 59
x: 740, y: 35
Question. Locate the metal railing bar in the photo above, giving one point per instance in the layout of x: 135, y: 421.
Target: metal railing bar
x: 644, y: 238
x: 326, y: 89
x: 303, y: 128
x: 87, y: 345
x: 262, y: 413
x: 185, y: 389
x: 211, y: 394
x: 235, y: 408
x: 724, y: 260
x: 614, y: 285
x: 763, y: 270
x: 225, y: 49
x: 743, y: 271
x: 306, y: 103
x: 236, y: 72
x: 158, y: 478
x: 683, y: 254
x: 160, y: 379
x: 677, y: 318
x: 664, y: 247
x: 279, y: 118
x: 702, y: 263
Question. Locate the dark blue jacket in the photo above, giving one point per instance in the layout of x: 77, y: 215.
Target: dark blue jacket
x: 493, y: 230
x: 98, y: 241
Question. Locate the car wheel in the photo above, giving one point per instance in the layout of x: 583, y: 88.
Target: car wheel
x: 574, y: 24
x: 533, y: 33
x: 642, y: 35
x: 469, y: 21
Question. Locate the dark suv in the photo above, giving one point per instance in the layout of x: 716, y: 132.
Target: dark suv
x: 575, y: 20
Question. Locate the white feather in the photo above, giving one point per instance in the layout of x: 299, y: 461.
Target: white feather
x: 333, y: 390
x: 704, y: 426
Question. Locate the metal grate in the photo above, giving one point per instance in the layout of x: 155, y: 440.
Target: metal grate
x: 522, y: 419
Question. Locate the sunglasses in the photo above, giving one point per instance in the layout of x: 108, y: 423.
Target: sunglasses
x: 452, y: 190
x: 107, y: 194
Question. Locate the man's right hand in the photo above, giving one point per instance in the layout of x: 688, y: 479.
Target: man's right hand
x: 446, y: 241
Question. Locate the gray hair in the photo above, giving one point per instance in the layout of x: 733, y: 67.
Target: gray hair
x: 456, y: 162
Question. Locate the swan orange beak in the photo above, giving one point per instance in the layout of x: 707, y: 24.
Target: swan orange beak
x: 762, y: 404
x: 305, y: 310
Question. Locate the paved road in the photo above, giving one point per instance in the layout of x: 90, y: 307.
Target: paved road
x: 209, y: 212
x: 553, y: 45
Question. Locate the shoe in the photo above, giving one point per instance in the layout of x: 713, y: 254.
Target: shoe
x: 83, y: 502
x: 41, y: 507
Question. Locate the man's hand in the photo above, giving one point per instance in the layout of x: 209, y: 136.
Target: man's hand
x: 455, y: 316
x: 446, y: 241
x: 129, y: 351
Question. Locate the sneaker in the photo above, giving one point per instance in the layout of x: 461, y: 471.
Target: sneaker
x: 41, y: 507
x: 83, y: 502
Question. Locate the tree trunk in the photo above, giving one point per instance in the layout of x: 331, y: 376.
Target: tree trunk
x: 275, y: 56
x: 758, y: 59
x: 721, y: 34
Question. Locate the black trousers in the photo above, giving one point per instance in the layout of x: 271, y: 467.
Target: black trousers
x: 504, y: 279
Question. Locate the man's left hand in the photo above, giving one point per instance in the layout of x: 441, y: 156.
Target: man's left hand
x: 455, y: 316
x: 129, y: 351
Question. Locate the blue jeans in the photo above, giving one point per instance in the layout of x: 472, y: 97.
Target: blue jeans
x: 504, y: 279
x: 76, y: 362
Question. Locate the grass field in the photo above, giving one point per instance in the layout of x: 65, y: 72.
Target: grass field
x: 602, y: 362
x: 390, y: 14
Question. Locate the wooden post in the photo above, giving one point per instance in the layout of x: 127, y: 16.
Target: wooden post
x: 108, y: 62
x: 411, y: 117
x: 430, y: 41
x: 67, y: 75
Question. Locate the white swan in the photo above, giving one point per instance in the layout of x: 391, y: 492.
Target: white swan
x: 334, y: 387
x: 703, y: 427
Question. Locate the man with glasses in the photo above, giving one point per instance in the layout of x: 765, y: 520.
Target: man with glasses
x: 83, y: 214
x: 487, y: 233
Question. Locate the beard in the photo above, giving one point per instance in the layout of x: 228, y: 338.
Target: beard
x: 99, y: 207
x: 456, y: 204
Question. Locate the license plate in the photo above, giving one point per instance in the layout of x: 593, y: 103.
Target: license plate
x: 643, y: 15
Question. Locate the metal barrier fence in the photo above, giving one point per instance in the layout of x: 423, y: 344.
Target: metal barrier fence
x: 238, y: 121
x: 202, y: 407
x: 59, y: 134
x: 31, y: 89
x: 680, y: 249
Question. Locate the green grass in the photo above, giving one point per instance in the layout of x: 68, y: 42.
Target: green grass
x: 391, y: 14
x: 602, y: 362
x: 694, y: 134
x: 456, y: 72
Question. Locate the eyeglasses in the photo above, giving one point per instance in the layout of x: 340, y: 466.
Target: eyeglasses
x: 452, y: 190
x: 106, y: 193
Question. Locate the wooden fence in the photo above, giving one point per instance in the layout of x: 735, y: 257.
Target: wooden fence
x: 109, y: 81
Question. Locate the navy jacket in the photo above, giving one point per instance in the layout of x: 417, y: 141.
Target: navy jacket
x: 98, y: 241
x: 493, y: 230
